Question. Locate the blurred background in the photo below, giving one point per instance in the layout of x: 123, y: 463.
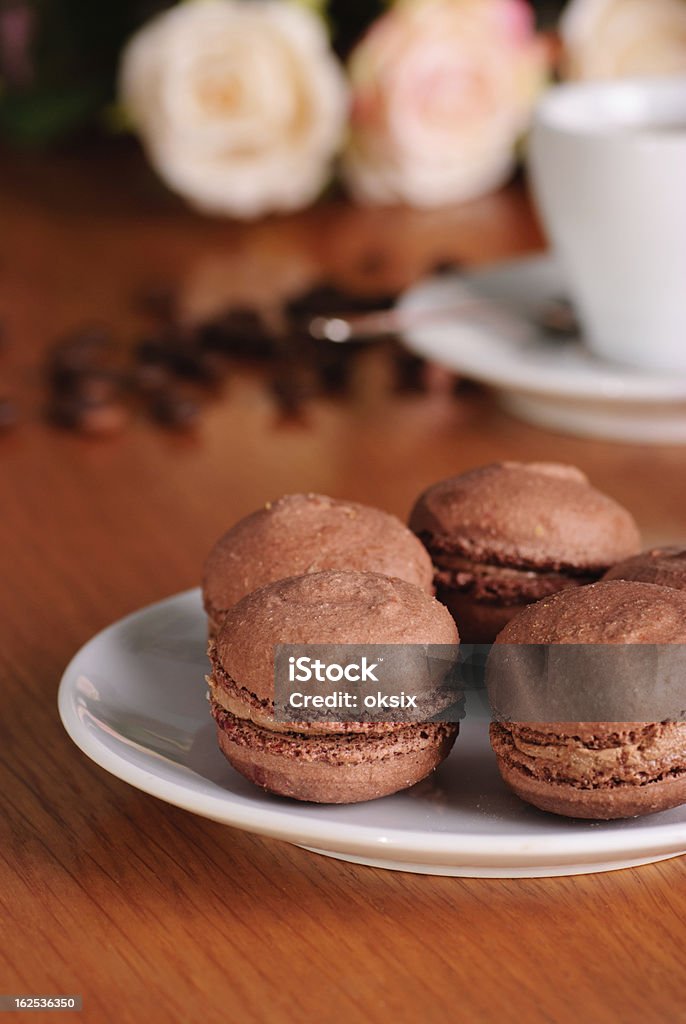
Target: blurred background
x: 183, y: 187
x: 58, y: 58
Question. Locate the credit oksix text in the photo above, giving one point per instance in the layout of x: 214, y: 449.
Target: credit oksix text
x: 506, y: 682
x: 305, y: 670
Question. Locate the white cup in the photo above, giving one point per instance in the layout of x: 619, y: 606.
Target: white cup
x: 607, y: 162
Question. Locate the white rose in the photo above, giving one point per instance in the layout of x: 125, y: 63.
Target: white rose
x: 619, y: 38
x: 441, y: 91
x: 240, y: 105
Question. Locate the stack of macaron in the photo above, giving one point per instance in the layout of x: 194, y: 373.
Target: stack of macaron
x: 598, y: 769
x: 310, y: 569
x: 516, y: 553
x: 322, y: 761
x: 506, y: 535
x: 664, y: 566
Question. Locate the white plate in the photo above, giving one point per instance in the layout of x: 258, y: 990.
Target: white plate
x: 556, y: 384
x: 133, y: 699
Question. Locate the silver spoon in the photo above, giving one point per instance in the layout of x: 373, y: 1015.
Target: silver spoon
x: 556, y: 319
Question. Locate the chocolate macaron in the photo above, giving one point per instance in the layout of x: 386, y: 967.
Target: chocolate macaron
x: 594, y: 769
x: 664, y: 566
x: 306, y: 533
x: 322, y: 761
x: 508, y: 534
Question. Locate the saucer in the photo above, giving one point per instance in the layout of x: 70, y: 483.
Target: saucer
x: 134, y: 700
x: 551, y: 382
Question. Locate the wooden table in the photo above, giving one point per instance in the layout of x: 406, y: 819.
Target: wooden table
x: 154, y: 914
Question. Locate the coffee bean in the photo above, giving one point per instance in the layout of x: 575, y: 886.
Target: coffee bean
x: 150, y: 377
x: 334, y: 365
x: 192, y: 363
x: 153, y: 351
x: 240, y: 332
x: 408, y: 370
x: 172, y: 355
x: 292, y: 385
x: 175, y: 411
x: 103, y: 418
x: 84, y: 344
x: 84, y: 350
x: 327, y: 299
x: 97, y: 386
x: 97, y: 418
x: 213, y: 368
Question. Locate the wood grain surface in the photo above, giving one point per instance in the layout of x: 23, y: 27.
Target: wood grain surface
x: 153, y: 914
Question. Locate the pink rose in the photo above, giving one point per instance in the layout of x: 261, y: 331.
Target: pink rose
x: 442, y: 90
x: 620, y: 38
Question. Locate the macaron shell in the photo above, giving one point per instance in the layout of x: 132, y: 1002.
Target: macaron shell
x: 325, y: 608
x: 603, y: 804
x: 332, y: 772
x: 479, y: 621
x: 307, y: 533
x: 534, y: 515
x: 613, y: 611
x: 665, y: 567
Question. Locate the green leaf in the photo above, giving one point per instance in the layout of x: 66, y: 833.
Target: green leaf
x: 40, y: 117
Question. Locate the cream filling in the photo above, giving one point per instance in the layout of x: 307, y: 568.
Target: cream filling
x: 447, y: 561
x: 459, y: 563
x: 646, y: 758
x: 264, y: 717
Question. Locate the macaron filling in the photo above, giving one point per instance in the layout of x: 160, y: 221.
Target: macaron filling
x: 634, y: 755
x: 335, y: 749
x: 247, y: 706
x: 488, y: 581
